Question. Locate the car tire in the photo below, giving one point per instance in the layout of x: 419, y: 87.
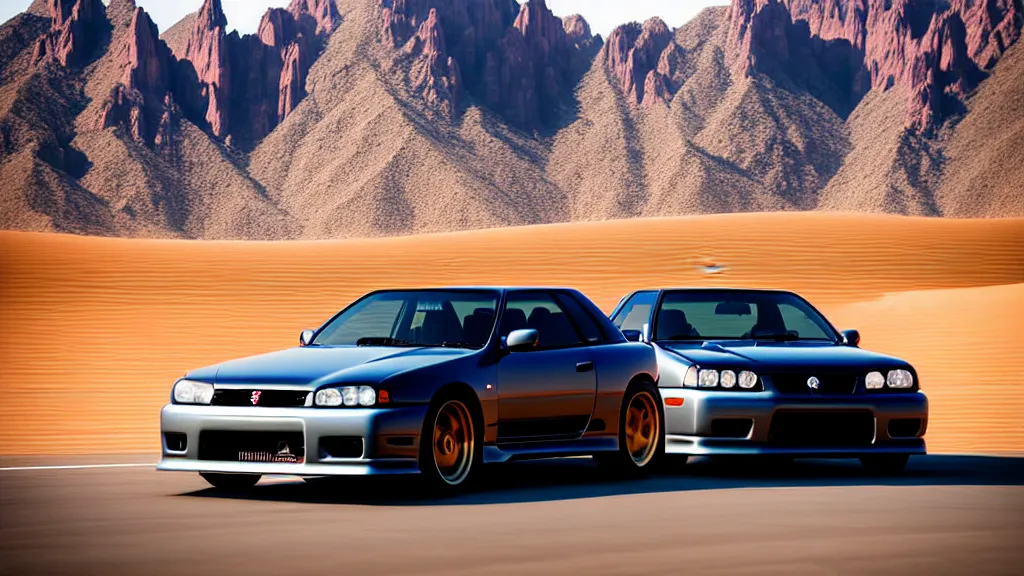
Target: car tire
x: 885, y: 463
x: 231, y: 482
x: 638, y: 456
x: 451, y: 445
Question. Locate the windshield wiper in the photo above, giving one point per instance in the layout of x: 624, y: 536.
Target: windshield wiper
x: 381, y: 341
x: 778, y: 337
x: 457, y: 345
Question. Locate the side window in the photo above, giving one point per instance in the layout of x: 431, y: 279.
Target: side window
x: 540, y: 311
x: 588, y: 328
x: 636, y: 312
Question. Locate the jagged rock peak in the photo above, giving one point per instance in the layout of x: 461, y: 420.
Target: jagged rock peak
x: 208, y: 52
x: 633, y: 52
x: 143, y: 103
x: 935, y: 50
x: 291, y: 87
x: 435, y: 75
x: 517, y: 59
x: 211, y: 16
x: 148, y: 63
x: 75, y: 28
x: 323, y: 12
x: 577, y: 28
x: 39, y: 8
x: 277, y: 28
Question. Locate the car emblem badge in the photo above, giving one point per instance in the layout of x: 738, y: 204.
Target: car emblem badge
x: 255, y: 397
x: 813, y: 383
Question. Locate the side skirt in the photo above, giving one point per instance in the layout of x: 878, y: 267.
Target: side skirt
x: 549, y: 449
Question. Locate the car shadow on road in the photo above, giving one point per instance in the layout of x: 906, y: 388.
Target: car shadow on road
x: 574, y: 478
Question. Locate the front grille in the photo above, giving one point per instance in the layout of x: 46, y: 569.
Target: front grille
x: 829, y: 384
x: 265, y: 398
x: 831, y: 429
x: 224, y: 446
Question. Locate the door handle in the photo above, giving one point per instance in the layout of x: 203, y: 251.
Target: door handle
x: 584, y: 366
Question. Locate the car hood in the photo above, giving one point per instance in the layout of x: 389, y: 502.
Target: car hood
x: 316, y: 366
x: 780, y: 355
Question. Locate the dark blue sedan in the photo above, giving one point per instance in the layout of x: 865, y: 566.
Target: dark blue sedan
x: 433, y: 382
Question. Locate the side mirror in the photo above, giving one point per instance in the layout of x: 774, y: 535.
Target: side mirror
x: 851, y: 338
x: 522, y: 340
x: 306, y: 338
x: 633, y: 335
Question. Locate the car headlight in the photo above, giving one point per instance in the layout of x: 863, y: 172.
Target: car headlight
x: 367, y: 396
x: 874, y: 381
x: 727, y: 379
x: 192, y: 392
x: 748, y: 380
x: 708, y: 378
x: 347, y: 396
x: 690, y: 378
x: 900, y: 379
x: 328, y: 397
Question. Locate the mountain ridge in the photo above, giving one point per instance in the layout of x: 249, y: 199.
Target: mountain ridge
x: 352, y: 118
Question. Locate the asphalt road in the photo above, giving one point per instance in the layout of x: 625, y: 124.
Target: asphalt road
x: 945, y: 515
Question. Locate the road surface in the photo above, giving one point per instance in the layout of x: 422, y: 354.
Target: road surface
x: 945, y: 515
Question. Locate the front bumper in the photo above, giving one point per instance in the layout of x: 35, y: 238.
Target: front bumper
x: 691, y: 428
x: 390, y: 438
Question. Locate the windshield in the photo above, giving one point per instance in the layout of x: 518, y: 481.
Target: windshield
x: 441, y: 318
x: 736, y: 315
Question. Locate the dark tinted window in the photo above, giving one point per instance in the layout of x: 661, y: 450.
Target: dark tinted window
x: 636, y: 312
x: 415, y: 318
x: 589, y: 329
x: 738, y: 315
x: 540, y: 311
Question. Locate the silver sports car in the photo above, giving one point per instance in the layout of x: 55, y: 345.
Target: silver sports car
x: 434, y: 382
x: 747, y: 372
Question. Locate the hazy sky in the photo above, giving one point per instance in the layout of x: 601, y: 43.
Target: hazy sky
x: 603, y: 15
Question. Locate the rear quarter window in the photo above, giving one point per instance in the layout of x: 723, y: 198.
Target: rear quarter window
x: 588, y: 328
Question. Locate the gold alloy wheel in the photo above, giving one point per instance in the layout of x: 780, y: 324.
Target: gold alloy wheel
x: 643, y: 428
x: 453, y: 442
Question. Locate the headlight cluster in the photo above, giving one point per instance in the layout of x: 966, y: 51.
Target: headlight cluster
x: 720, y: 380
x: 895, y: 379
x: 347, y: 396
x: 192, y: 392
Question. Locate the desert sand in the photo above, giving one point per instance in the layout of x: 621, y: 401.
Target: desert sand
x: 96, y: 330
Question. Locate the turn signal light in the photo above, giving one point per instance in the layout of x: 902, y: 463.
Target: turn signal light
x: 384, y: 397
x: 674, y: 401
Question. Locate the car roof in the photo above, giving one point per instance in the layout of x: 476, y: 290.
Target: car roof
x: 478, y: 288
x: 716, y: 289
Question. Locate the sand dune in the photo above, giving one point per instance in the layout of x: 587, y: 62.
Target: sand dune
x: 96, y: 330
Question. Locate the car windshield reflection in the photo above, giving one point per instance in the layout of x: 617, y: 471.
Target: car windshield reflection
x: 415, y: 319
x: 733, y: 315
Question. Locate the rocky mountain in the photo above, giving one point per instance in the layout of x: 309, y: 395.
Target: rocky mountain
x: 351, y: 118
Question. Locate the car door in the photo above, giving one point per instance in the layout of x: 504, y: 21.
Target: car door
x: 547, y: 393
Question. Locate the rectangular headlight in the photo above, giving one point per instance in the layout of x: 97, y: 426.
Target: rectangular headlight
x: 192, y: 392
x: 347, y: 396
